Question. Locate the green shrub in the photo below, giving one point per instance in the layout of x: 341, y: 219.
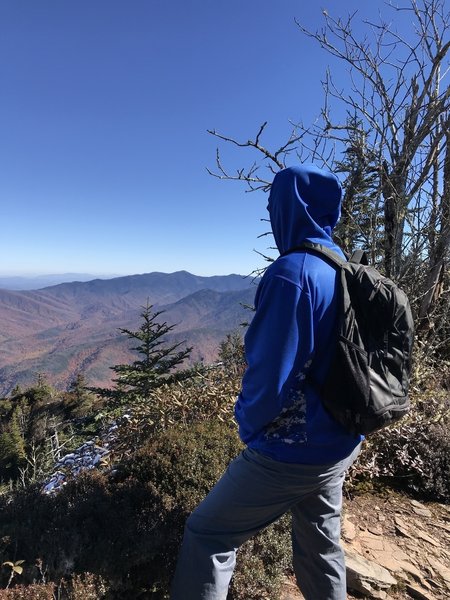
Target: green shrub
x: 261, y: 563
x: 207, y: 397
x: 184, y: 464
x: 127, y: 527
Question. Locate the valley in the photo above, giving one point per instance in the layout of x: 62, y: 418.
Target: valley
x: 71, y: 328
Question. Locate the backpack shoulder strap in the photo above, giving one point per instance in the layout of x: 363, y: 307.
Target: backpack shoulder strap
x: 323, y: 251
x: 358, y: 257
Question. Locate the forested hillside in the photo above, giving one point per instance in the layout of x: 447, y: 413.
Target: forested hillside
x: 72, y: 328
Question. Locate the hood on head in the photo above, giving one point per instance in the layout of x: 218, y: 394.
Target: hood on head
x: 304, y: 204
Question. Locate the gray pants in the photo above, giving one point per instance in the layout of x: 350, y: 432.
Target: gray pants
x: 253, y: 493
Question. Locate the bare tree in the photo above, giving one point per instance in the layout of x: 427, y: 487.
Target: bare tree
x: 391, y: 146
x: 275, y: 160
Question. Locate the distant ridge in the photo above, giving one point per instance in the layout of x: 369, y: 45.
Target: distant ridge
x: 163, y: 287
x: 36, y: 282
x: 39, y: 282
x: 68, y: 328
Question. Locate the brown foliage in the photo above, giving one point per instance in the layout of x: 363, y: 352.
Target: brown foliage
x: 39, y: 591
x: 414, y: 456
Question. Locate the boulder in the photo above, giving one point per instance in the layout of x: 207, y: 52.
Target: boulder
x: 367, y: 577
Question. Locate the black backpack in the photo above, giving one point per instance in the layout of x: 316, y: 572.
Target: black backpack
x: 367, y: 385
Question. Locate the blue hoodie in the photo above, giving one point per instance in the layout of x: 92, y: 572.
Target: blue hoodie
x: 289, y: 342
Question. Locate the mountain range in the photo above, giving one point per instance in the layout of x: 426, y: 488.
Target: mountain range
x: 73, y: 327
x: 36, y: 282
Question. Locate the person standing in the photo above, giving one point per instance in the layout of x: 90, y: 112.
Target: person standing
x: 296, y: 455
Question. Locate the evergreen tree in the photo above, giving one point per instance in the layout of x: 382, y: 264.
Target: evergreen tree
x: 155, y: 364
x: 361, y: 220
x: 232, y: 355
x: 41, y: 392
x: 12, y: 450
x: 78, y: 400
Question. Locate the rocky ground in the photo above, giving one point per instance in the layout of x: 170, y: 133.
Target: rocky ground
x: 396, y: 548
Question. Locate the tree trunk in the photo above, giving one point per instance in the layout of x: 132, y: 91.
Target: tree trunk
x: 438, y: 254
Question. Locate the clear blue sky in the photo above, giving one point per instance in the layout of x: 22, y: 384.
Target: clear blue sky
x: 104, y: 107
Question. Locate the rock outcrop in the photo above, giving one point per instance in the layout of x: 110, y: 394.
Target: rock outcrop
x: 396, y: 548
